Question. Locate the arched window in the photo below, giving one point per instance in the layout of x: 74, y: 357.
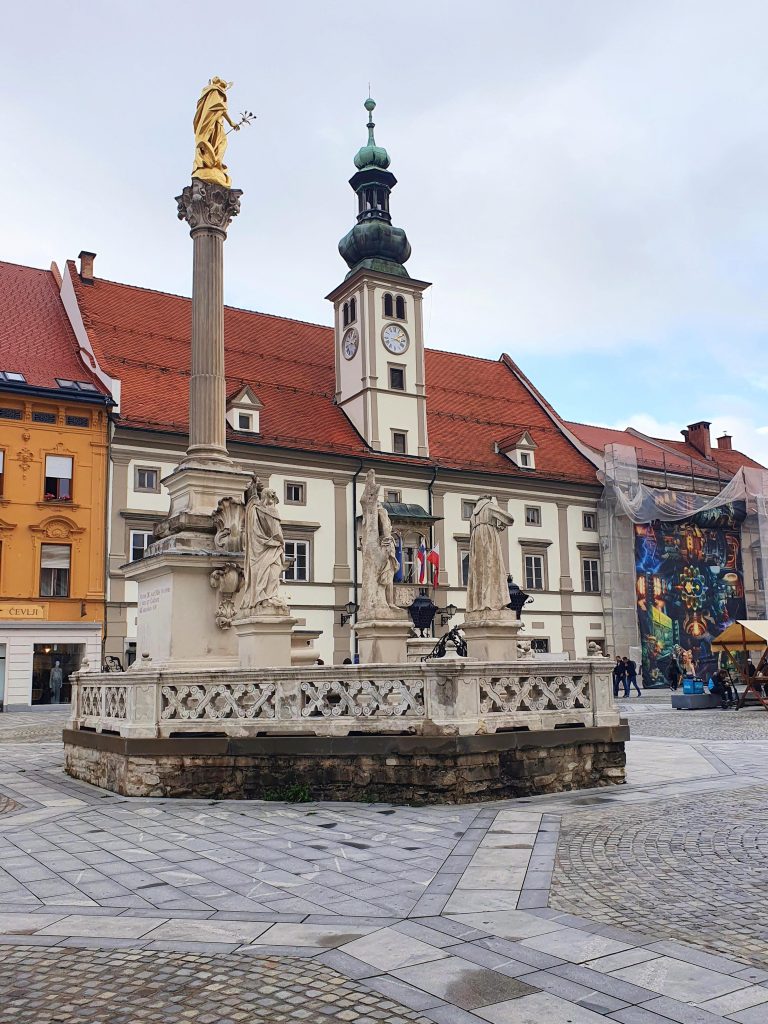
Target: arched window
x: 345, y: 313
x: 400, y: 307
x: 352, y: 310
x: 388, y: 305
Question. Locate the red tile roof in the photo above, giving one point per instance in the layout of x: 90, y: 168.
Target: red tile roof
x: 142, y: 337
x: 657, y: 453
x: 36, y: 338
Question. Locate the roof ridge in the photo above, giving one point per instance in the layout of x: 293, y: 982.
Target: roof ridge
x: 26, y: 266
x: 188, y: 298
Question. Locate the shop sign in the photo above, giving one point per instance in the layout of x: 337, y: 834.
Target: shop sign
x: 21, y: 612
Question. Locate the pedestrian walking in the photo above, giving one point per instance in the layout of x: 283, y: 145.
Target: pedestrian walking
x: 618, y: 676
x: 630, y: 677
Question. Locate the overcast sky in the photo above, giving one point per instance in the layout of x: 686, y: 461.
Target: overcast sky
x: 585, y: 183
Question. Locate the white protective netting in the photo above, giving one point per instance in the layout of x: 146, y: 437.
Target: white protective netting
x: 627, y: 501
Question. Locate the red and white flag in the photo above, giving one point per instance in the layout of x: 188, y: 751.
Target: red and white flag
x: 434, y: 560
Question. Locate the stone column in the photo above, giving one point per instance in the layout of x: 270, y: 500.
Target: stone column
x: 208, y: 208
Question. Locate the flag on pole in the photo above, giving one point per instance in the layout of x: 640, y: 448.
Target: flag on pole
x: 434, y: 560
x: 421, y: 556
x: 399, y: 553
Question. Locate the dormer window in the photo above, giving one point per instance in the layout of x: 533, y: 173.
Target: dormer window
x: 520, y: 449
x: 243, y: 410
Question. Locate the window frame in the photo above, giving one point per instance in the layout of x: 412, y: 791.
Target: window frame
x: 53, y: 596
x: 529, y: 552
x: 593, y: 517
x: 393, y: 368
x: 541, y: 640
x: 301, y: 484
x: 146, y: 469
x: 462, y: 554
x: 398, y: 434
x: 307, y: 541
x: 388, y: 492
x: 388, y: 307
x: 537, y: 520
x: 57, y: 495
x: 401, y: 309
x: 464, y: 503
x: 591, y: 558
x: 131, y: 533
x: 2, y: 470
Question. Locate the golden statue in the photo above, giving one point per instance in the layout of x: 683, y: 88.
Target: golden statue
x: 210, y: 136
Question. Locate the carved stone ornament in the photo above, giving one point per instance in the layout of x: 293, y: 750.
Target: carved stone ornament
x: 25, y: 458
x: 204, y: 204
x: 229, y: 520
x: 227, y: 581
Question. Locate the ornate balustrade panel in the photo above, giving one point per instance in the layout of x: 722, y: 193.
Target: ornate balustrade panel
x: 446, y: 695
x: 510, y: 693
x: 218, y: 701
x: 365, y: 698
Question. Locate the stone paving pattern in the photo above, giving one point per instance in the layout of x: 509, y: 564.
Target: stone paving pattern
x: 569, y: 908
x: 59, y: 986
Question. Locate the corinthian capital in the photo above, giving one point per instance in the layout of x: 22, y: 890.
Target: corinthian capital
x: 204, y: 204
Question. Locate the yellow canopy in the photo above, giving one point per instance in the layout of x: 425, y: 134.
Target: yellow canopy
x: 746, y: 634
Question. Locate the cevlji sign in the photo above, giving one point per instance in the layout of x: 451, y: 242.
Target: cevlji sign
x: 20, y: 612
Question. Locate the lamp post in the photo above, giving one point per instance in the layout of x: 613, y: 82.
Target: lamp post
x: 517, y: 597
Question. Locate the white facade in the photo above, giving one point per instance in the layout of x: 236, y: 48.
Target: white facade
x: 316, y: 504
x: 28, y: 650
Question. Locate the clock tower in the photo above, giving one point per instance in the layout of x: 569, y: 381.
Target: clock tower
x: 378, y: 317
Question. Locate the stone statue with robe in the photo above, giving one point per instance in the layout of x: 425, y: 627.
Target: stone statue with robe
x: 379, y: 558
x: 210, y: 133
x: 487, y: 589
x: 264, y: 554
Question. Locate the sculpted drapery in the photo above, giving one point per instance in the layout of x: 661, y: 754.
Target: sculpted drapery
x: 210, y: 135
x: 487, y: 590
x: 264, y: 553
x: 379, y: 560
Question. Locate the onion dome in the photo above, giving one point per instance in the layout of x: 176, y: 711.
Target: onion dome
x: 373, y: 243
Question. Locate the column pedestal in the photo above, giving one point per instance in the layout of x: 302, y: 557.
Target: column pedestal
x: 492, y: 639
x: 382, y: 641
x: 418, y: 647
x: 264, y: 641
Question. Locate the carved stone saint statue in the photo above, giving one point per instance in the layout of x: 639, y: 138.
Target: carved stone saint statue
x: 379, y: 558
x: 487, y: 590
x: 264, y: 554
x: 210, y: 134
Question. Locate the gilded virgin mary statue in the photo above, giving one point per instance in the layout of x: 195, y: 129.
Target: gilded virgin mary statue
x: 210, y: 135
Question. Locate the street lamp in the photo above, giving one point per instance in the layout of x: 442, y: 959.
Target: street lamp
x: 347, y: 612
x: 447, y: 613
x: 517, y: 597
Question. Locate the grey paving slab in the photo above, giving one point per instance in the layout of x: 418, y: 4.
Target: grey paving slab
x: 575, y: 945
x: 572, y: 991
x: 742, y: 999
x: 680, y: 1012
x: 391, y: 950
x: 207, y: 931
x: 539, y: 1008
x: 679, y: 979
x: 464, y: 984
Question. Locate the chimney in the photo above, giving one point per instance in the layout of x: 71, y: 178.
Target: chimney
x: 697, y: 435
x: 724, y: 443
x: 86, y: 266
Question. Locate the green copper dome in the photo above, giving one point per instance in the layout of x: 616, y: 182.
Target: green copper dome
x: 374, y: 243
x: 371, y: 155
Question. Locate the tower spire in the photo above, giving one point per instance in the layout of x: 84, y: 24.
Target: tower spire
x: 373, y: 242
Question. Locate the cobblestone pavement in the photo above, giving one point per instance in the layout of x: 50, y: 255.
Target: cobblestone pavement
x: 641, y: 904
x: 59, y: 986
x: 655, y: 719
x: 32, y: 726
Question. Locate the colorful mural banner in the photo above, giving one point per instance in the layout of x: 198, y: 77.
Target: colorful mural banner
x: 689, y: 583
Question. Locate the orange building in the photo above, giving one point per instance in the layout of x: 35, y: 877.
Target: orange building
x: 54, y: 440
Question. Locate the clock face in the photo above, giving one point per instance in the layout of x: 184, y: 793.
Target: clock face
x: 350, y: 342
x: 395, y: 339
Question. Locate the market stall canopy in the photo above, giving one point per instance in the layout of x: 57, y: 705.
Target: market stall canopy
x: 747, y: 634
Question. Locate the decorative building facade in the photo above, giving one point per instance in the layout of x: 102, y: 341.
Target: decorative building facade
x: 53, y: 494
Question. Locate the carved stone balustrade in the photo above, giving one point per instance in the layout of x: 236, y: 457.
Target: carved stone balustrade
x: 446, y: 696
